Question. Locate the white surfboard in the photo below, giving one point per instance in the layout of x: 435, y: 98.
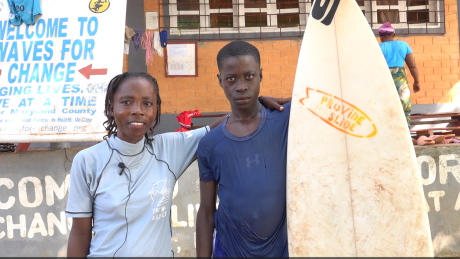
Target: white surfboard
x: 353, y: 184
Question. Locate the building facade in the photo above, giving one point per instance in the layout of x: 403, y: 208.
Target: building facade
x: 275, y: 27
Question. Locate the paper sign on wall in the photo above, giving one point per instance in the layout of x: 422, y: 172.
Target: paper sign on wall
x: 178, y: 68
x: 181, y: 59
x: 177, y: 50
x: 151, y: 21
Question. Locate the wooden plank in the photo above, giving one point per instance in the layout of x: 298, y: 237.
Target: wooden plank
x: 438, y: 113
x: 446, y: 128
x: 432, y: 122
x: 413, y: 117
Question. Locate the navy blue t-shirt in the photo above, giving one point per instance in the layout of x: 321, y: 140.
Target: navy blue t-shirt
x: 251, y: 174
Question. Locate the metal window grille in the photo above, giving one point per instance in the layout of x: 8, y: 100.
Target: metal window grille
x: 271, y: 19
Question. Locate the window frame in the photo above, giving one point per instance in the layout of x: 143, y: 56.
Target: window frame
x: 238, y: 19
x: 435, y: 26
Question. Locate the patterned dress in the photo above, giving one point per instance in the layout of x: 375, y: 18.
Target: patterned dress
x: 400, y: 80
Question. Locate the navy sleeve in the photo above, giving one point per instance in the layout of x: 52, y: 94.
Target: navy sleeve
x: 283, y: 116
x: 204, y: 167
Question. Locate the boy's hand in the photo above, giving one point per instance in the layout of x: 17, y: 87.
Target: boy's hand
x: 273, y: 103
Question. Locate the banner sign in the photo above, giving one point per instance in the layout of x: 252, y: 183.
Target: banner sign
x: 54, y: 74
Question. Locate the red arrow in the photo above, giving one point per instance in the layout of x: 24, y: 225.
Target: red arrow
x: 89, y: 71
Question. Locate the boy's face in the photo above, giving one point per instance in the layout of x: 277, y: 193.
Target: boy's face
x: 240, y: 78
x: 134, y: 108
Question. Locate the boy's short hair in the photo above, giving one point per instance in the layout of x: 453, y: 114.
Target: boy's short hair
x: 236, y: 49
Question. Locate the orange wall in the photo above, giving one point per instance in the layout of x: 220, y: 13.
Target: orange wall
x: 437, y: 59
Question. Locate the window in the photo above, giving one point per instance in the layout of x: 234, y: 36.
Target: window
x: 187, y: 5
x: 406, y: 16
x: 222, y: 20
x: 391, y: 15
x: 232, y: 19
x: 257, y: 19
x: 188, y: 21
x: 418, y: 16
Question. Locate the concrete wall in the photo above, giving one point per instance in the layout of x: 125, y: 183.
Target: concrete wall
x: 135, y: 20
x: 440, y: 170
x: 33, y: 197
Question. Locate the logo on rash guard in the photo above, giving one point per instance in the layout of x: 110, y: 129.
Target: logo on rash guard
x: 160, y: 194
x: 249, y: 161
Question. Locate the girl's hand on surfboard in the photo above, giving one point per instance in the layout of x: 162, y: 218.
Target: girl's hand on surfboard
x: 273, y: 103
x: 416, y: 87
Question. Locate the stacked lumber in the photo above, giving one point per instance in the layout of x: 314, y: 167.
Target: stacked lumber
x: 439, y: 123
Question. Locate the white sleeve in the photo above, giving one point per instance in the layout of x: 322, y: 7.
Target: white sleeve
x: 178, y: 149
x: 80, y: 201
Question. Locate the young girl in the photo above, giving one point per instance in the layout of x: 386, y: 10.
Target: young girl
x: 121, y: 189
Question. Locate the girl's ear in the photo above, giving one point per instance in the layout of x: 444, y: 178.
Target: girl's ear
x: 111, y: 110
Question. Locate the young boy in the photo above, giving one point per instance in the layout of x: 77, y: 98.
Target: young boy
x: 245, y: 159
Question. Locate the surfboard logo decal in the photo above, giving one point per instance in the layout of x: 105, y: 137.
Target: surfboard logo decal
x: 319, y: 10
x: 338, y: 113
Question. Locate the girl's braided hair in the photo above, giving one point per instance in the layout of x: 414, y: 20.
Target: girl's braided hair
x: 110, y: 124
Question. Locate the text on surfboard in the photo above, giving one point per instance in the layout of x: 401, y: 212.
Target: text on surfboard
x: 338, y: 113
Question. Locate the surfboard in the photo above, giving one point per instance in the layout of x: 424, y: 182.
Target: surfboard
x: 353, y: 187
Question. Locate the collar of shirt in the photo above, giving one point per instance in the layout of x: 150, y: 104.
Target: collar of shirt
x: 125, y: 148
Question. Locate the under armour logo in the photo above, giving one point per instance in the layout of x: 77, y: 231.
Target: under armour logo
x: 256, y: 160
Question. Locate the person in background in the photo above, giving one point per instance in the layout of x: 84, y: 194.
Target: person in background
x: 396, y: 53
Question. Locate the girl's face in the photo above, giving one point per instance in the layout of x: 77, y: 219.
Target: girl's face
x: 134, y: 108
